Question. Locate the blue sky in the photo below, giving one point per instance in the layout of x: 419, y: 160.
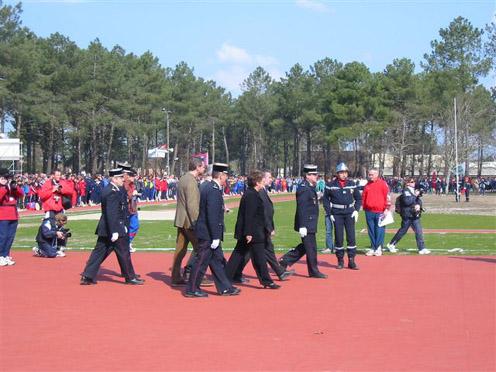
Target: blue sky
x: 226, y: 40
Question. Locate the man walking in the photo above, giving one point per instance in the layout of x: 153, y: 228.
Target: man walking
x: 306, y: 221
x: 209, y: 230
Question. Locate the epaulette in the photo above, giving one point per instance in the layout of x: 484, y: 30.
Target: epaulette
x: 215, y: 186
x: 302, y: 184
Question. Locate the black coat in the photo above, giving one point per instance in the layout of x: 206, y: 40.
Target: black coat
x: 251, y: 217
x: 114, y: 212
x: 408, y: 200
x: 269, y: 211
x: 210, y: 223
x: 307, y: 208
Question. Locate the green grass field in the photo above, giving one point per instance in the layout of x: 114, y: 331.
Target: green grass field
x: 161, y: 234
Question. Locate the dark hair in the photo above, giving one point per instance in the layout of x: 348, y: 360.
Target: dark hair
x: 216, y: 174
x: 254, y: 177
x: 194, y: 162
x: 408, y: 180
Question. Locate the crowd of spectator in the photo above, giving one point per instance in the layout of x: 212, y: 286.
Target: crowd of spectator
x: 88, y: 188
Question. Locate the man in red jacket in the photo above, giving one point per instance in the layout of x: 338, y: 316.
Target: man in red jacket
x: 375, y: 202
x: 51, y: 194
x: 9, y: 217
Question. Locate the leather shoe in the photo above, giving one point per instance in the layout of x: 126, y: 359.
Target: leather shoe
x: 286, y: 274
x: 206, y: 283
x: 180, y: 283
x: 135, y: 281
x: 195, y: 294
x: 320, y: 276
x: 241, y: 281
x: 282, y: 263
x: 230, y: 292
x: 352, y: 265
x: 272, y: 286
x: 87, y: 281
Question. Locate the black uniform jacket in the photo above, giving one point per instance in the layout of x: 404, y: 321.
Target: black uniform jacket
x: 307, y: 207
x: 210, y: 223
x: 348, y: 195
x: 408, y: 199
x: 269, y: 211
x: 251, y: 217
x: 114, y: 212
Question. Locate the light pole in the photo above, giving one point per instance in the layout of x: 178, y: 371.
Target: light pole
x: 168, y: 144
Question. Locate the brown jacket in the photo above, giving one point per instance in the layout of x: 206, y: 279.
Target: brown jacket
x: 188, y: 202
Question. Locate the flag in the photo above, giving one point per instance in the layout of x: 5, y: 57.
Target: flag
x: 459, y: 170
x: 203, y: 156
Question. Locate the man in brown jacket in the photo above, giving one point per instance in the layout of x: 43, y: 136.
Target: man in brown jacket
x: 187, y: 210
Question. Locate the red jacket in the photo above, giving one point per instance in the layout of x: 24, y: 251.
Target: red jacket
x: 8, y: 203
x: 52, y: 201
x: 375, y: 197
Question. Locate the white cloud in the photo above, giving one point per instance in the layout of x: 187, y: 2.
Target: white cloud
x: 314, y: 5
x: 230, y: 53
x: 237, y: 64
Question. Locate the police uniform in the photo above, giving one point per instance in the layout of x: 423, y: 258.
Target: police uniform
x: 112, y: 221
x: 209, y: 230
x: 340, y: 202
x: 306, y: 217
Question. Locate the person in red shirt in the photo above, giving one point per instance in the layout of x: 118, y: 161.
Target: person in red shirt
x: 376, y: 202
x: 51, y: 194
x: 9, y: 217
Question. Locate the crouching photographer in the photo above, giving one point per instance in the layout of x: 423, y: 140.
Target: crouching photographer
x: 52, y: 237
x: 410, y: 209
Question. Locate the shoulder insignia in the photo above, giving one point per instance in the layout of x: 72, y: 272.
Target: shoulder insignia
x: 407, y: 193
x: 215, y: 186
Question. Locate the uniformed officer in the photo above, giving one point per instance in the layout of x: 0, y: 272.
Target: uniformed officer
x: 342, y: 201
x: 209, y: 230
x: 306, y: 221
x: 112, y: 233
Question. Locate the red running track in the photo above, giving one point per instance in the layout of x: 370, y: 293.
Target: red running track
x: 415, y: 313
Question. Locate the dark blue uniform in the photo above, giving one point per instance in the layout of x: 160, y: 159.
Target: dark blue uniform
x: 307, y: 215
x: 209, y: 226
x: 47, y: 238
x: 113, y: 220
x: 340, y: 202
x: 408, y: 200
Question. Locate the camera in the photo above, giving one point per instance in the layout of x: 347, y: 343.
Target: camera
x: 66, y: 232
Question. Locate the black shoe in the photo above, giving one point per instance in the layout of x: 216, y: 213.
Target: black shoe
x: 340, y: 264
x: 87, y: 281
x: 319, y: 276
x: 135, y: 281
x: 352, y: 265
x: 241, y: 281
x: 282, y: 263
x: 272, y: 286
x: 230, y: 292
x: 286, y: 274
x: 195, y: 294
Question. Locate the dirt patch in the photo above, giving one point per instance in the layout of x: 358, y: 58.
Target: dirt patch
x: 478, y: 205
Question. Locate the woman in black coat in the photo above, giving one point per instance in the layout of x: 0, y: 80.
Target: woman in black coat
x: 251, y: 233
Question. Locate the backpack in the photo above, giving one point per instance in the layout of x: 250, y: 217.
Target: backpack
x: 397, y: 204
x: 66, y: 202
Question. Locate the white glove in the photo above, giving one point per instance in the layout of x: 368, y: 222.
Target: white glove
x: 215, y: 243
x: 302, y: 232
x: 125, y: 227
x: 114, y: 238
x: 355, y: 216
x: 332, y: 218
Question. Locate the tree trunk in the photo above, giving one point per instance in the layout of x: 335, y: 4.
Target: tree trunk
x: 225, y: 144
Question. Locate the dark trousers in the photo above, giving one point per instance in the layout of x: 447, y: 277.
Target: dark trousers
x: 417, y: 228
x: 48, y: 250
x: 307, y: 246
x: 270, y: 256
x: 8, y: 230
x: 102, y: 249
x: 258, y: 258
x: 208, y: 257
x: 184, y: 237
x: 344, y: 222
